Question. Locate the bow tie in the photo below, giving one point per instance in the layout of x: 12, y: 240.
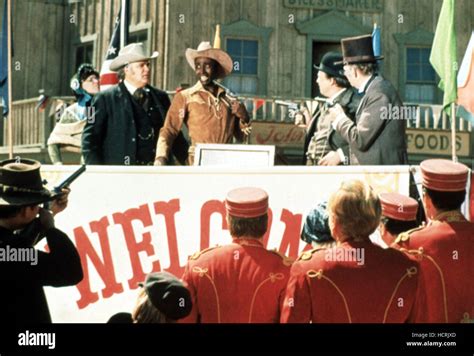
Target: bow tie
x: 140, y: 95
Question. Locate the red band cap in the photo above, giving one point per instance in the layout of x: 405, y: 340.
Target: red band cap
x: 398, y: 207
x: 444, y: 175
x: 247, y: 202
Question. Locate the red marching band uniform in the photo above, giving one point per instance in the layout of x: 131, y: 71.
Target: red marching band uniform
x: 445, y: 250
x: 325, y: 290
x: 242, y: 282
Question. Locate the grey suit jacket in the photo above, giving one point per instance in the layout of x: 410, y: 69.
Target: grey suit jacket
x: 376, y: 137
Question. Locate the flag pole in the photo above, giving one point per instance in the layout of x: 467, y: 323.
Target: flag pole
x: 10, y: 94
x: 453, y: 132
x: 123, y: 23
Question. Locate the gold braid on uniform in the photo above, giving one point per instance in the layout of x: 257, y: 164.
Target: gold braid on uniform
x: 319, y: 274
x: 203, y: 272
x: 405, y: 236
x: 412, y: 271
x: 273, y: 277
x: 198, y: 254
x: 420, y: 255
x: 287, y: 261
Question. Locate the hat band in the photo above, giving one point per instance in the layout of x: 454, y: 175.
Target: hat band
x: 360, y: 59
x: 451, y: 185
x: 396, y: 214
x: 329, y: 71
x: 246, y: 212
x: 12, y: 189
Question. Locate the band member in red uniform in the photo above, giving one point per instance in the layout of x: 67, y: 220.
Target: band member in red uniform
x: 399, y: 214
x: 445, y: 247
x: 242, y: 282
x: 356, y: 281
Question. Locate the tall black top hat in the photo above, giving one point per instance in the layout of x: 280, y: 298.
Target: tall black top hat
x: 358, y: 50
x: 331, y: 64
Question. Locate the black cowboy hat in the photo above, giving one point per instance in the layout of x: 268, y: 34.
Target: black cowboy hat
x: 21, y: 183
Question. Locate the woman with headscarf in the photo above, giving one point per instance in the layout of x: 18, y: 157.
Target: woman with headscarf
x: 68, y: 130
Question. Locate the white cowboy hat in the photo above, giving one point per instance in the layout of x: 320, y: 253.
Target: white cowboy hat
x: 134, y: 52
x: 205, y: 50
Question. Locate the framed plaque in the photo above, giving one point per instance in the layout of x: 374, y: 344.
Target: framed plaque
x: 238, y: 156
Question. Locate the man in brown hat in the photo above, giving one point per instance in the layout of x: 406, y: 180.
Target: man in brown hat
x: 242, y: 282
x: 24, y: 270
x: 128, y: 117
x: 444, y: 247
x: 210, y: 115
x: 377, y: 137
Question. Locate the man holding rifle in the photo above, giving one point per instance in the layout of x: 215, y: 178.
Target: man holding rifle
x: 208, y: 111
x: 24, y: 270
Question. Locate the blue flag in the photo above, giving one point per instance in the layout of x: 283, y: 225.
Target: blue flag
x: 4, y: 63
x: 376, y: 41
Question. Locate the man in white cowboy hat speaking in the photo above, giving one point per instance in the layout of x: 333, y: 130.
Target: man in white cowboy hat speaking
x: 129, y: 116
x: 209, y: 114
x: 24, y: 270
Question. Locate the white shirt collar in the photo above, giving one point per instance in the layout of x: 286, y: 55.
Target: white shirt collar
x: 131, y: 88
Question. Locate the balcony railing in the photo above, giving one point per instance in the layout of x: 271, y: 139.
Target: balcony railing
x: 32, y: 127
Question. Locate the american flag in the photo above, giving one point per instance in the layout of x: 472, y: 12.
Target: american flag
x: 109, y: 78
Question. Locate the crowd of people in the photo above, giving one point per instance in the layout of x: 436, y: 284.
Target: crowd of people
x: 134, y: 123
x: 414, y: 272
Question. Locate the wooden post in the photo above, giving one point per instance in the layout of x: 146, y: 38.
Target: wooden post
x: 453, y: 131
x: 10, y: 93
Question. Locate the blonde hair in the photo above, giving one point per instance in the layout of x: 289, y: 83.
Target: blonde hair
x: 356, y: 209
x: 146, y: 312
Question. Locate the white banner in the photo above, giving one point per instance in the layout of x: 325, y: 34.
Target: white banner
x: 129, y: 221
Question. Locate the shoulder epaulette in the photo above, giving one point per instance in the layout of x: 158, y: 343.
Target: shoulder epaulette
x: 305, y: 256
x: 199, y: 253
x: 286, y: 260
x: 405, y: 236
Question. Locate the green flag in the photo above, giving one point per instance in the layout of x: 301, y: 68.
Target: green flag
x: 443, y: 53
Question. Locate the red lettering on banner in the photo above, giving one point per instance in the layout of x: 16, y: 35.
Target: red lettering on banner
x: 208, y: 208
x: 134, y: 247
x: 263, y: 140
x: 168, y: 210
x: 291, y: 236
x: 280, y: 135
x: 104, y: 268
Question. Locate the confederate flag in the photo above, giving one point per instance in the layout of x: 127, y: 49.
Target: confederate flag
x: 107, y: 77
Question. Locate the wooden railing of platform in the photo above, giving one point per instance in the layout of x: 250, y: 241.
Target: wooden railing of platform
x: 32, y: 126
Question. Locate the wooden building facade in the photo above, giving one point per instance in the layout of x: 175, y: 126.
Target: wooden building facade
x: 274, y: 42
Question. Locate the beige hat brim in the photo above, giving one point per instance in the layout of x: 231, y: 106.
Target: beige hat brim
x: 221, y: 57
x: 122, y: 61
